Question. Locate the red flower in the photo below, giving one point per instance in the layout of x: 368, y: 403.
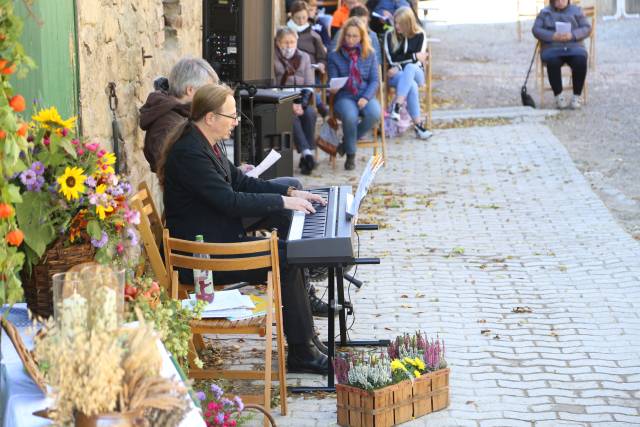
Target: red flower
x: 6, y: 211
x: 17, y: 103
x: 15, y: 237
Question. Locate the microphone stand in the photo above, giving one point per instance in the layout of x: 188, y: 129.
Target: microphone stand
x: 237, y: 137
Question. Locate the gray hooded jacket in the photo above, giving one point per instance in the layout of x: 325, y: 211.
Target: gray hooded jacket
x: 545, y: 26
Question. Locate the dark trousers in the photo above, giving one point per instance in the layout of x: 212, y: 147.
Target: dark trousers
x: 304, y: 129
x: 578, y: 64
x: 297, y: 317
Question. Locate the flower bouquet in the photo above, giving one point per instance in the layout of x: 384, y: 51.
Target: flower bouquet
x: 73, y: 209
x: 407, y: 381
x: 219, y: 411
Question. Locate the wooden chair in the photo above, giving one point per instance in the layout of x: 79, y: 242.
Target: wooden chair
x: 260, y: 254
x: 589, y: 12
x: 150, y: 229
x: 378, y: 140
x: 527, y: 10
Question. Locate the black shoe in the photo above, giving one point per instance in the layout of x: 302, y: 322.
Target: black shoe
x: 395, y: 111
x: 306, y: 358
x: 341, y: 149
x: 350, y: 164
x: 310, y: 161
x: 306, y: 164
x: 318, y: 343
x: 318, y: 274
x: 323, y: 110
x: 319, y: 308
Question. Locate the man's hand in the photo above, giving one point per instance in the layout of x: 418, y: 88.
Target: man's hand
x: 387, y: 14
x: 314, y: 198
x: 297, y: 109
x: 297, y: 204
x: 246, y: 167
x: 562, y: 37
x: 362, y: 102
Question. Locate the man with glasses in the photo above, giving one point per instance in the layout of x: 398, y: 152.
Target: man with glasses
x: 170, y: 104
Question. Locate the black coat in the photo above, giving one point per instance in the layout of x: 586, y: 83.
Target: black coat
x: 208, y: 196
x: 406, y: 51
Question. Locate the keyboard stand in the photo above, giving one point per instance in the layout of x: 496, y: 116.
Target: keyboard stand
x: 336, y: 273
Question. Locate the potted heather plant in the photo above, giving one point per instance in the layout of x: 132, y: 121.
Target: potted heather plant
x: 408, y: 380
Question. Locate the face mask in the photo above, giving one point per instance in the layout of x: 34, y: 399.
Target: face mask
x: 296, y: 27
x: 288, y: 52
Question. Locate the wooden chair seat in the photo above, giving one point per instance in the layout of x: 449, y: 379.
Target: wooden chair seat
x: 254, y: 325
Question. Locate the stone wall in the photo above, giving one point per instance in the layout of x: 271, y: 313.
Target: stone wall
x: 111, y: 37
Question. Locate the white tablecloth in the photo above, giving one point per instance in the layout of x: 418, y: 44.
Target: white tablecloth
x: 20, y: 397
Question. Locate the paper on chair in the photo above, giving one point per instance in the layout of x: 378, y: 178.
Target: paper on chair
x: 224, y: 300
x: 563, y: 27
x: 265, y: 164
x: 337, y: 82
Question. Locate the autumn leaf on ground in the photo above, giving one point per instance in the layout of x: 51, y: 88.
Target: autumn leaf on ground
x: 404, y: 296
x: 406, y: 306
x: 485, y: 331
x: 420, y: 295
x: 496, y: 337
x: 522, y: 310
x: 482, y: 321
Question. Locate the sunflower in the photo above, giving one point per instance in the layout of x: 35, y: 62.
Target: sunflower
x: 101, y: 210
x: 50, y: 119
x: 72, y: 182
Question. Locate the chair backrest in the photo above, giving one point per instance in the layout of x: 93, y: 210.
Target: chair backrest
x: 150, y: 229
x: 240, y: 256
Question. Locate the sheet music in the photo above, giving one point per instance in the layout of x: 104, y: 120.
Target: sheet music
x: 337, y: 82
x: 369, y: 173
x: 265, y: 164
x: 563, y: 27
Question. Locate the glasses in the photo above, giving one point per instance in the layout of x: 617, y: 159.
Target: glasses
x: 229, y: 116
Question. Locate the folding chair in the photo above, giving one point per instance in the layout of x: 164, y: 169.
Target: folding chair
x: 150, y: 229
x: 589, y: 12
x: 527, y: 10
x: 378, y: 139
x: 260, y: 254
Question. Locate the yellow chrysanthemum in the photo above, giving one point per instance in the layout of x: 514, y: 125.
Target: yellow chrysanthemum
x: 72, y: 182
x: 50, y: 119
x: 397, y: 365
x: 417, y: 374
x: 419, y: 363
x: 108, y: 159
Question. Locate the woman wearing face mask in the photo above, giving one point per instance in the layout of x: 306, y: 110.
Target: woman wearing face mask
x: 292, y: 67
x: 355, y: 103
x: 563, y: 48
x: 406, y: 49
x: 205, y: 194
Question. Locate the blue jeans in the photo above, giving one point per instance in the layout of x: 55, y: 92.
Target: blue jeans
x: 347, y: 111
x: 407, y: 83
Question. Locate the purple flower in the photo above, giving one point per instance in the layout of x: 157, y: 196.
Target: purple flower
x: 90, y: 181
x: 132, y: 216
x: 201, y: 396
x: 116, y: 191
x: 28, y: 177
x: 38, y: 168
x: 220, y: 418
x: 238, y: 403
x: 133, y: 236
x: 126, y: 187
x: 100, y: 243
x: 217, y: 391
x: 37, y: 185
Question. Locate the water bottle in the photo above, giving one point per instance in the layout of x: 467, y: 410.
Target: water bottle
x: 203, y: 279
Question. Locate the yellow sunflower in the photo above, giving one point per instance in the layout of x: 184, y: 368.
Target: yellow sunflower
x: 49, y: 118
x: 72, y: 182
x: 108, y: 159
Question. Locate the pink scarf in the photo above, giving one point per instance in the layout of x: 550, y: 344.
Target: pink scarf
x: 355, y: 78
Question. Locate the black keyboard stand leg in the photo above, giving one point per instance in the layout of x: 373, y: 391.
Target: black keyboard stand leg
x: 342, y: 314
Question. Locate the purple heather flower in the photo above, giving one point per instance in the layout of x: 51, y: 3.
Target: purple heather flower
x: 28, y: 177
x: 100, y: 243
x: 238, y: 403
x: 38, y: 168
x: 217, y: 391
x: 201, y: 396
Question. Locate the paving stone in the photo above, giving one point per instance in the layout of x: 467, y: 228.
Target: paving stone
x: 534, y: 234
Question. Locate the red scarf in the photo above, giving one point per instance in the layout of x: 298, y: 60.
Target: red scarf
x: 355, y: 78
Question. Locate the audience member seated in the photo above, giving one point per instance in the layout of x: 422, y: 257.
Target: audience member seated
x: 406, y: 50
x: 382, y: 13
x: 170, y: 104
x: 341, y: 15
x: 568, y: 48
x: 309, y: 42
x: 355, y: 104
x: 318, y: 24
x: 292, y: 67
x: 361, y: 11
x: 205, y: 194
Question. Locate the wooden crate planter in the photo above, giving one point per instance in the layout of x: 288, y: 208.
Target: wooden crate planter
x: 395, y: 404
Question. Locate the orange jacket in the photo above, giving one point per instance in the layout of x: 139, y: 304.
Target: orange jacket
x: 340, y: 16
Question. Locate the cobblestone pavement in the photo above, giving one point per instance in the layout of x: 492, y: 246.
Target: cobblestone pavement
x: 487, y: 219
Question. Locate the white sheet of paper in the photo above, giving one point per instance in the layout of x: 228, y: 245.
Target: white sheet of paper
x: 265, y: 164
x: 224, y: 300
x: 337, y: 82
x: 563, y: 27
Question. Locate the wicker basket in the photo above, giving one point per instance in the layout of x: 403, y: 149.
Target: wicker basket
x: 57, y: 259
